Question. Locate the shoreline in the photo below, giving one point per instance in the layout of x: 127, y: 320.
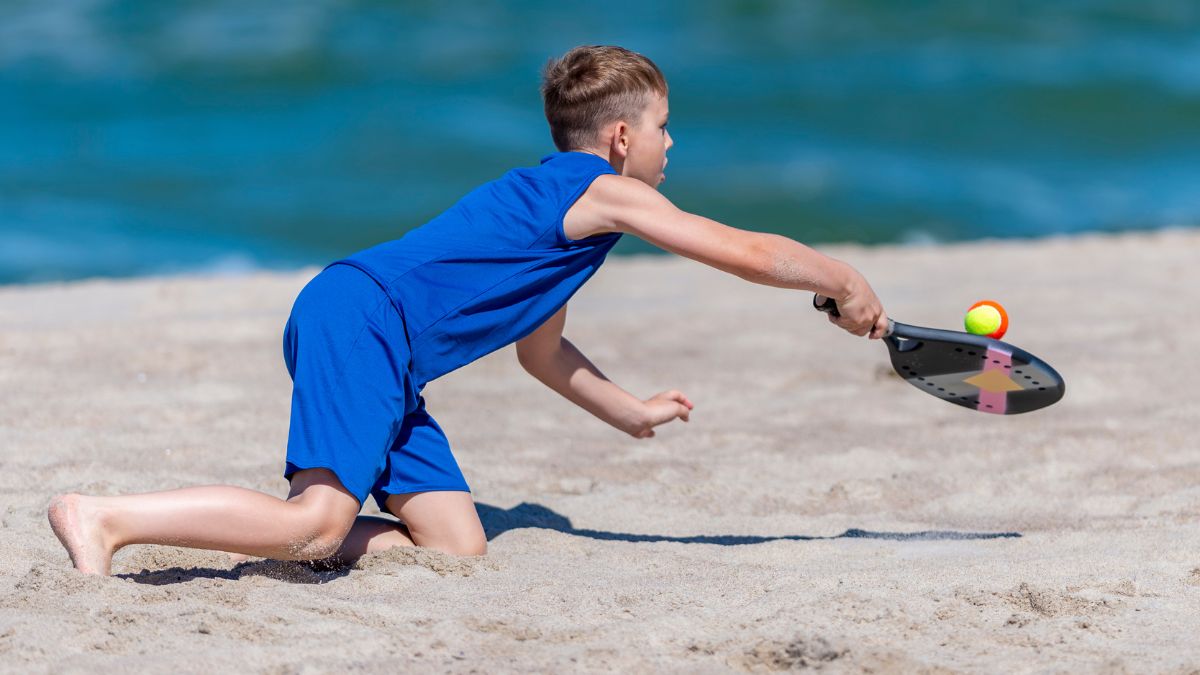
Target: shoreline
x: 222, y: 271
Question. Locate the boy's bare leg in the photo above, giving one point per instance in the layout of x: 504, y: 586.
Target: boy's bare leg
x: 370, y: 534
x: 444, y: 521
x: 309, y: 525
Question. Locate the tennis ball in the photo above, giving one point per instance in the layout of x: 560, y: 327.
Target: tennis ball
x: 986, y: 317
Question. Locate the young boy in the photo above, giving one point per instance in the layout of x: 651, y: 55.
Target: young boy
x: 368, y: 332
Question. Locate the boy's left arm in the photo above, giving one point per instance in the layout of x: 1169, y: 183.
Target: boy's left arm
x: 558, y: 364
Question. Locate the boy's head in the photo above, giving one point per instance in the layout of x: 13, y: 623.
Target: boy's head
x: 612, y: 101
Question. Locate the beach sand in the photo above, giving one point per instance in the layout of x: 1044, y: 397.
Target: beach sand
x: 817, y: 512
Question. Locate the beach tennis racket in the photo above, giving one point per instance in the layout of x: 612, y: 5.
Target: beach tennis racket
x: 972, y: 371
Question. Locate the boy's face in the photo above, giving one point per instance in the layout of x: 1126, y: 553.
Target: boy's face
x: 647, y: 143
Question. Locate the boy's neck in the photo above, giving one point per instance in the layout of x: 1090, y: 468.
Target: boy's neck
x: 602, y: 154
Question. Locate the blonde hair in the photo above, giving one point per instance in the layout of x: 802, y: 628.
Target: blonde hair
x: 595, y: 85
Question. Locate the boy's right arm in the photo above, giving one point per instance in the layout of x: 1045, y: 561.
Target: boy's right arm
x: 629, y: 205
x: 558, y: 364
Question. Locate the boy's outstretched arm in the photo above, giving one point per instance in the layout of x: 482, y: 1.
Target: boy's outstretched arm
x: 553, y: 360
x: 622, y: 204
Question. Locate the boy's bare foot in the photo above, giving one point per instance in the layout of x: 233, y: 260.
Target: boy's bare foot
x: 78, y: 528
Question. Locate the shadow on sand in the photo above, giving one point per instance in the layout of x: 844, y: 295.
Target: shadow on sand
x: 497, y: 521
x: 291, y: 571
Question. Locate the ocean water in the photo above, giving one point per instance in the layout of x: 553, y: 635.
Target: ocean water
x: 141, y: 137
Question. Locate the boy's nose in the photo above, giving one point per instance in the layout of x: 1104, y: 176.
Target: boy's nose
x: 670, y: 141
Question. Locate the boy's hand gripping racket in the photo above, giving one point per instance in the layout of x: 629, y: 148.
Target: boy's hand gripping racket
x: 973, y: 371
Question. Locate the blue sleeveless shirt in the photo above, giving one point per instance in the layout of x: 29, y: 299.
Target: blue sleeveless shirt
x: 492, y: 268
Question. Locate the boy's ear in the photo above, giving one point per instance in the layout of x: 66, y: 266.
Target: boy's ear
x: 619, y: 141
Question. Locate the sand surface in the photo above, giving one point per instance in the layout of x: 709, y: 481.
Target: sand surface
x: 817, y: 512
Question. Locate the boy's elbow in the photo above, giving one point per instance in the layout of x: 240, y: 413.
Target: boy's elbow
x: 533, y: 360
x: 526, y: 358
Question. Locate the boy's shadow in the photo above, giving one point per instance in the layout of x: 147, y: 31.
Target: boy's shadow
x: 290, y: 571
x: 497, y: 521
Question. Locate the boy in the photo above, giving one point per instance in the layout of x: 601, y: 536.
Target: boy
x: 368, y: 332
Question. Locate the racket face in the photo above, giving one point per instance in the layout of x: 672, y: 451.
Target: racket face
x: 973, y: 371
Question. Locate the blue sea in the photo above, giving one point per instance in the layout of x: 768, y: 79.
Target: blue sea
x: 146, y: 137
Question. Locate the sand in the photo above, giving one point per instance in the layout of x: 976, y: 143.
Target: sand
x: 817, y: 512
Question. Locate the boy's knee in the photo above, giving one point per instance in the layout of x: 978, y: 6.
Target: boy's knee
x: 324, y: 514
x: 320, y: 545
x: 322, y: 536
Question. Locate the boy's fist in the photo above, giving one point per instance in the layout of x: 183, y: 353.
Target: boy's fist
x: 859, y: 310
x: 660, y: 409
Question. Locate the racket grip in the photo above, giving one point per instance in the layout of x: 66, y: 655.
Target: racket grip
x: 825, y: 304
x: 829, y: 306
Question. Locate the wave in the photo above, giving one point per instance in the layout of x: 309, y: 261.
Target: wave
x: 143, y: 137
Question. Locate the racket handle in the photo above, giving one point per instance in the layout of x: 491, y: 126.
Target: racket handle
x: 825, y: 304
x: 829, y: 306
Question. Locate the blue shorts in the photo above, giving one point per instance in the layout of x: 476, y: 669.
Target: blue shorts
x: 355, y: 408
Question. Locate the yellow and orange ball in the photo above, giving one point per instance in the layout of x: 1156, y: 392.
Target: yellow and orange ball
x: 987, y: 317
